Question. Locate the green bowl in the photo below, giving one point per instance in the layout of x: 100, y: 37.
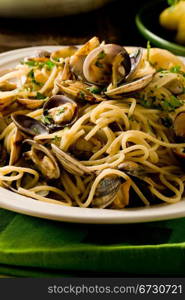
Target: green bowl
x: 147, y: 21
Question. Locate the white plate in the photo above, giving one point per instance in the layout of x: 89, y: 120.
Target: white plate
x: 28, y: 206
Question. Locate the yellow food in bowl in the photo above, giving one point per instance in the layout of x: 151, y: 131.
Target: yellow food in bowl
x: 173, y: 18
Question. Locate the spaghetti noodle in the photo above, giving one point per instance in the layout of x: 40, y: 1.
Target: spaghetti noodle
x: 117, y: 147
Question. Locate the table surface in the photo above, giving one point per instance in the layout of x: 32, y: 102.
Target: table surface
x: 112, y: 23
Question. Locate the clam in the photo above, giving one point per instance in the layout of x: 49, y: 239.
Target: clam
x: 28, y: 125
x: 70, y: 164
x: 179, y: 126
x: 107, y: 63
x: 110, y: 65
x: 136, y: 61
x: 179, y: 130
x: 172, y: 81
x: 43, y: 159
x: 59, y: 111
x: 131, y: 86
x: 106, y: 191
x: 141, y: 177
x: 80, y: 90
x: 77, y: 60
x: 123, y: 195
x: 175, y: 83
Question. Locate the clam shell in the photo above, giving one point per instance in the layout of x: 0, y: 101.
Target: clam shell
x: 28, y: 125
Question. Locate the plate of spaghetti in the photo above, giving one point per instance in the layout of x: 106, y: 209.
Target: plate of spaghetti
x: 92, y: 133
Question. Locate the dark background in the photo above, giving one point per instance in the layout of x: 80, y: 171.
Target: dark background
x: 113, y: 23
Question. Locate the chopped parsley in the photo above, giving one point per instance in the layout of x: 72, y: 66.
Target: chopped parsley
x: 47, y: 119
x: 98, y: 64
x: 61, y: 111
x: 56, y: 139
x: 161, y: 70
x: 57, y: 59
x: 32, y: 76
x: 40, y: 96
x: 49, y: 65
x: 36, y: 130
x: 94, y: 90
x: 32, y: 63
x: 82, y: 95
x: 175, y: 69
x: 101, y: 55
x: 162, y: 104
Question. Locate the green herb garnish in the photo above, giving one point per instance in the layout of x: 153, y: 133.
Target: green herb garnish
x: 49, y: 65
x: 47, y: 119
x: 82, y: 95
x: 36, y: 130
x: 57, y: 59
x: 161, y: 70
x: 94, y: 90
x: 177, y: 69
x: 32, y: 63
x: 32, y: 76
x: 98, y: 64
x: 40, y: 96
x: 162, y: 104
x: 56, y: 139
x: 101, y: 55
x: 61, y: 111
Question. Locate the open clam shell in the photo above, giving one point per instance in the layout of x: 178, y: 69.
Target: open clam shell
x: 106, y: 191
x: 61, y: 110
x: 77, y: 60
x: 43, y: 159
x: 28, y: 125
x: 131, y: 86
x: 179, y: 126
x: 105, y: 62
x: 136, y: 60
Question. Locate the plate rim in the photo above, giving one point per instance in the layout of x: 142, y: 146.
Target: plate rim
x: 28, y: 206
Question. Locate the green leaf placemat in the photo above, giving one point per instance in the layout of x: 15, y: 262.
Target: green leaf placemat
x: 35, y: 247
